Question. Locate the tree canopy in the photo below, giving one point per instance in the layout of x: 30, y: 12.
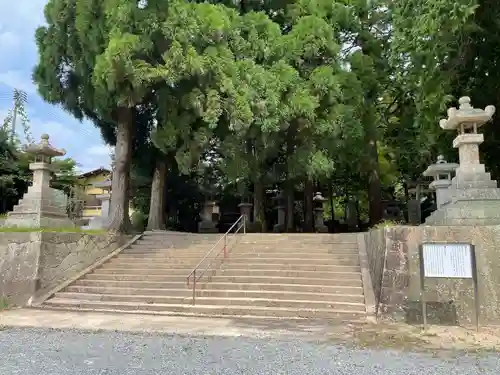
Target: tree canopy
x: 243, y: 97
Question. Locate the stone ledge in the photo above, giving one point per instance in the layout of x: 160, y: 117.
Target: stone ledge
x: 38, y: 261
x: 394, y: 260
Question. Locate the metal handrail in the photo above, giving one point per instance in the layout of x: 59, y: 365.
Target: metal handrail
x: 196, y: 274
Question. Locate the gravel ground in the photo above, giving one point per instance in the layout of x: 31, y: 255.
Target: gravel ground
x: 47, y: 352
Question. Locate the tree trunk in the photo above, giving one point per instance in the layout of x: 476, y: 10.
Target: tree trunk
x: 119, y: 219
x: 332, y: 204
x: 259, y: 214
x: 374, y: 184
x: 156, y: 219
x: 308, y: 206
x: 289, y: 194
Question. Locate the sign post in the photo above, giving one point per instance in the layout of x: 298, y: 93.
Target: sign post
x: 450, y: 261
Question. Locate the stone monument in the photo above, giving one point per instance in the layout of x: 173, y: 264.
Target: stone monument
x: 281, y: 209
x: 207, y: 225
x: 351, y: 215
x: 474, y: 198
x: 246, y: 210
x: 441, y: 171
x: 41, y: 206
x: 105, y: 198
x: 319, y: 224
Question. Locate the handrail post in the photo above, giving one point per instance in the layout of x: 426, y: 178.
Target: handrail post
x: 194, y: 287
x: 244, y: 224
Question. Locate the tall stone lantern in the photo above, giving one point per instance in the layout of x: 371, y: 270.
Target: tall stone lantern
x: 319, y: 224
x: 280, y: 206
x: 40, y: 206
x: 441, y: 172
x: 207, y: 224
x: 474, y: 198
x: 105, y: 198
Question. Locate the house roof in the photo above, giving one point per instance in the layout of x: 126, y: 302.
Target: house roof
x: 94, y: 172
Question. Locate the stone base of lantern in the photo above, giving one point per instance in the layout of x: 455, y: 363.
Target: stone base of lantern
x: 321, y: 229
x: 39, y: 209
x: 467, y: 212
x: 206, y: 226
x: 279, y: 228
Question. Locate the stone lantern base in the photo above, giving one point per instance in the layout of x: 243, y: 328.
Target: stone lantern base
x: 467, y: 212
x: 206, y: 226
x: 39, y: 209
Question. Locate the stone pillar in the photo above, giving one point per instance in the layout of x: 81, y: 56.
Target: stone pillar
x: 206, y: 224
x: 414, y: 212
x: 319, y: 224
x: 351, y: 214
x: 281, y: 209
x: 246, y: 210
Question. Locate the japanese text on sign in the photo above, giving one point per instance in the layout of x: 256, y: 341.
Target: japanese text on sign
x: 447, y: 260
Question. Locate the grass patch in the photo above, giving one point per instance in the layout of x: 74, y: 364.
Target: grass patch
x: 51, y: 230
x: 4, y: 303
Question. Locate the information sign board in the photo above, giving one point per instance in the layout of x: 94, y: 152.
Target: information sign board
x: 447, y: 260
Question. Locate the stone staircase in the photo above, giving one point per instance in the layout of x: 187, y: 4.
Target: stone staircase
x: 265, y: 275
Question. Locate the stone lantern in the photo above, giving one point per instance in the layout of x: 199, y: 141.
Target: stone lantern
x: 40, y: 206
x: 474, y: 198
x: 207, y: 224
x: 441, y: 171
x: 246, y: 210
x: 105, y: 198
x: 319, y: 224
x: 281, y: 208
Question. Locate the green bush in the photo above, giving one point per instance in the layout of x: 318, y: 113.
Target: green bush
x: 386, y: 224
x: 139, y: 221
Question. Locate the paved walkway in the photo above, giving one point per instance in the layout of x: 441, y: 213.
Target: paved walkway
x: 161, y: 324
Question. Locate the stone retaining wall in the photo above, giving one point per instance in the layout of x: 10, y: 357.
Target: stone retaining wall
x: 32, y: 263
x: 394, y: 264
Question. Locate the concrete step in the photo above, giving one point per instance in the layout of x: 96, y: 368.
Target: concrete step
x: 301, y: 256
x: 294, y: 250
x: 141, y: 247
x: 222, y: 286
x: 342, y: 261
x: 230, y: 271
x: 286, y: 280
x: 135, y: 277
x: 225, y: 293
x: 294, y: 245
x: 131, y: 283
x: 235, y: 256
x: 120, y: 262
x: 219, y: 310
x: 175, y: 262
x: 114, y: 270
x: 213, y: 301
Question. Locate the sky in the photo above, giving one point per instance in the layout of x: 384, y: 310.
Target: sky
x: 18, y: 55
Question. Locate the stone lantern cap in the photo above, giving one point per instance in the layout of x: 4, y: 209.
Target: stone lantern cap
x: 319, y: 198
x: 466, y: 116
x: 104, y: 184
x: 44, y: 148
x: 441, y: 167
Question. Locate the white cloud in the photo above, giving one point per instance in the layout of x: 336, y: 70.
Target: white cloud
x: 102, y: 150
x: 8, y: 40
x: 18, y: 80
